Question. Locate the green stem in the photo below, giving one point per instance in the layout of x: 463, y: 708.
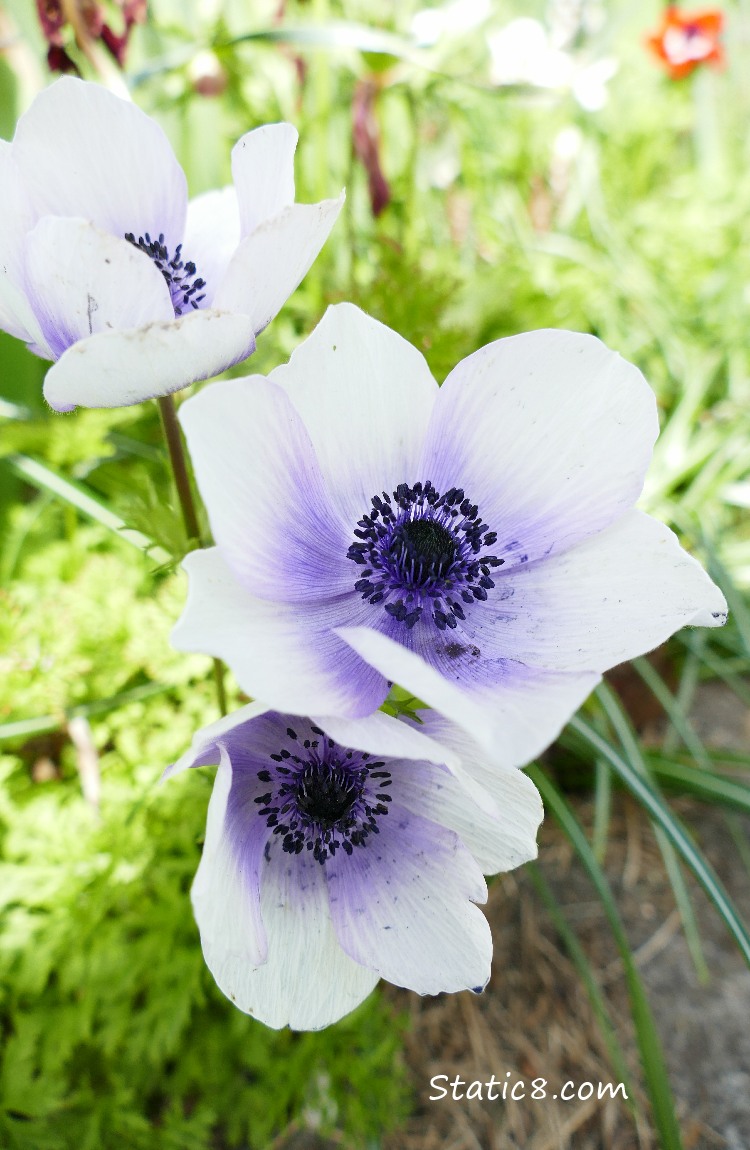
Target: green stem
x: 221, y: 694
x: 181, y: 475
x: 179, y: 468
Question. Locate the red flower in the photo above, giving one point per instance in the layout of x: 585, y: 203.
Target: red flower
x: 688, y: 39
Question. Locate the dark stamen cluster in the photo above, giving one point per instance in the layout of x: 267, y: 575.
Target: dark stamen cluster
x: 182, y: 279
x: 323, y: 797
x: 419, y: 547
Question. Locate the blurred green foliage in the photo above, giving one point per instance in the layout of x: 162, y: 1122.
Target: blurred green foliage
x: 511, y: 209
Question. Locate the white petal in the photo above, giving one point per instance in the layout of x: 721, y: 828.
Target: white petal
x: 263, y: 173
x: 208, y: 736
x: 212, y: 233
x: 382, y: 735
x: 500, y: 838
x: 115, y: 369
x: 273, y: 260
x: 513, y: 720
x: 270, y: 513
x: 550, y: 433
x: 82, y: 281
x: 84, y: 152
x: 614, y: 596
x: 226, y: 890
x: 403, y: 905
x: 366, y: 396
x: 16, y: 219
x: 281, y: 653
x: 307, y: 982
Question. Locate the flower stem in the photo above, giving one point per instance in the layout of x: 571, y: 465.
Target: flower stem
x: 181, y: 475
x: 179, y: 468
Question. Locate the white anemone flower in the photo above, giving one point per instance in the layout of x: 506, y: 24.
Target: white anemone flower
x: 106, y: 268
x: 339, y: 852
x: 477, y: 543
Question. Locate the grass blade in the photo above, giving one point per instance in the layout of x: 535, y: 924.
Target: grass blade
x: 655, y: 807
x: 649, y: 1042
x: 602, y: 809
x: 78, y: 496
x: 706, y: 785
x: 623, y: 728
x: 675, y: 712
x: 45, y: 724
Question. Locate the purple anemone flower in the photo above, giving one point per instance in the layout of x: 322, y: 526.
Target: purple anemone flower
x: 339, y: 852
x: 108, y: 270
x: 476, y: 543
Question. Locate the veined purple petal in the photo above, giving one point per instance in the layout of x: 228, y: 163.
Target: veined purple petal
x: 226, y: 891
x: 513, y: 718
x: 285, y: 653
x: 365, y: 396
x: 307, y: 981
x: 403, y: 906
x: 550, y: 433
x: 613, y: 596
x: 499, y: 839
x: 245, y: 435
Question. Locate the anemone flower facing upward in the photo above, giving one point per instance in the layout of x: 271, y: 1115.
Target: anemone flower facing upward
x: 105, y: 267
x: 686, y: 40
x: 476, y: 543
x: 341, y: 852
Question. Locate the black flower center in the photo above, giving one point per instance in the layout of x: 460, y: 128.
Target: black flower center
x: 327, y: 795
x: 182, y: 278
x: 425, y: 544
x: 323, y: 797
x: 421, y: 549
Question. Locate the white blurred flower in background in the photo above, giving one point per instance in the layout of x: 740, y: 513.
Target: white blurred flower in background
x: 525, y: 52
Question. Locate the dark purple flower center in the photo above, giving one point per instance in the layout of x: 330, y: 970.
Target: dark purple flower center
x: 323, y: 797
x: 424, y: 551
x: 182, y: 278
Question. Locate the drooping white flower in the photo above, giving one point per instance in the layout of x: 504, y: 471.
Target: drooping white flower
x: 341, y: 852
x: 107, y: 270
x: 477, y: 543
